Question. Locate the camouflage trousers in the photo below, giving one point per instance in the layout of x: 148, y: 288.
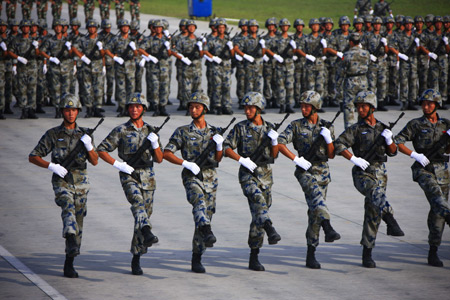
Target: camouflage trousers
x: 438, y: 75
x: 59, y: 78
x: 2, y: 85
x: 93, y: 83
x: 141, y: 207
x: 259, y: 201
x: 377, y: 78
x: 253, y: 76
x: 314, y: 183
x: 56, y: 9
x: 8, y: 85
x: 372, y: 184
x: 104, y: 7
x: 393, y: 79
x: 120, y: 10
x: 124, y: 76
x: 315, y: 76
x: 209, y: 75
x: 27, y: 81
x: 340, y: 78
x: 138, y: 77
x: 42, y: 9
x: 11, y: 9
x: 408, y: 80
x: 240, y: 80
x: 73, y: 9
x: 135, y: 12
x: 330, y: 81
x: 27, y: 6
x: 110, y: 78
x: 202, y: 196
x: 41, y: 86
x: 285, y: 82
x: 89, y: 7
x: 436, y: 188
x: 423, y: 64
x: 299, y: 79
x: 158, y: 76
x: 191, y: 79
x: 352, y: 86
x: 221, y: 85
x: 269, y: 88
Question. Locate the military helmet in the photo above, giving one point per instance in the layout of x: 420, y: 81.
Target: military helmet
x: 368, y: 97
x: 91, y: 23
x: 311, y: 97
x: 368, y: 19
x: 182, y: 22
x: 355, y: 37
x: 389, y: 19
x: 357, y: 20
x: 407, y: 20
x: 322, y: 20
x: 123, y: 22
x: 14, y: 22
x: 254, y: 98
x: 3, y: 23
x: 243, y: 22
x: 191, y: 22
x: 134, y: 25
x: 42, y: 23
x: 299, y: 22
x: 399, y: 18
x: 271, y: 21
x: 64, y: 22
x: 157, y: 23
x: 438, y: 19
x: 212, y: 22
x: 344, y: 20
x: 199, y: 97
x: 418, y: 19
x: 34, y: 22
x: 25, y: 22
x: 252, y: 22
x: 137, y: 98
x: 151, y: 23
x: 377, y: 20
x: 106, y: 23
x: 327, y: 20
x: 313, y: 21
x: 431, y: 95
x: 447, y: 19
x: 165, y: 23
x: 70, y: 101
x: 284, y: 22
x: 221, y: 21
x: 429, y: 18
x: 75, y: 22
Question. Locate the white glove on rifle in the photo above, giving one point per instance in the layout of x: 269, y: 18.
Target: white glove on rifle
x: 324, y: 43
x: 167, y: 45
x: 360, y: 162
x: 302, y: 163
x: 44, y: 69
x: 384, y: 41
x: 230, y: 45
x: 199, y: 45
x: 74, y: 70
x: 104, y: 70
x: 387, y: 134
x: 142, y: 62
x: 166, y: 33
x: 278, y: 58
x: 373, y: 58
x: 420, y: 158
x: 273, y: 136
x: 417, y: 41
x: 371, y: 11
x: 87, y: 141
x: 293, y: 44
x: 217, y: 60
x: 35, y: 44
x: 118, y: 60
x: 238, y: 57
x: 54, y: 60
x: 208, y: 58
x: 153, y: 59
x: 325, y: 132
x: 262, y: 43
x: 295, y: 57
x: 403, y: 56
x: 249, y: 58
x: 248, y: 163
x: 123, y: 167
x: 310, y: 57
x: 22, y: 60
x: 191, y: 166
x: 68, y: 45
x: 340, y: 54
x: 57, y: 169
x: 445, y: 39
x: 432, y: 55
x: 99, y: 45
x: 265, y: 58
x: 85, y: 60
x: 218, y: 139
x: 186, y: 61
x: 3, y: 45
x: 132, y: 45
x: 14, y: 70
x: 153, y: 138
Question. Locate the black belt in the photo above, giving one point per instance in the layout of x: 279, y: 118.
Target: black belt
x: 357, y: 74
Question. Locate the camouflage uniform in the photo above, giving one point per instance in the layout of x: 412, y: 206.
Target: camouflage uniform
x: 3, y: 60
x: 269, y: 87
x: 422, y: 60
x: 73, y: 9
x: 11, y: 9
x: 11, y: 82
x: 127, y: 139
x: 42, y: 6
x: 120, y: 10
x: 135, y: 6
x: 284, y: 71
x: 372, y: 181
x: 56, y: 9
x: 104, y: 6
x: 381, y: 9
x: 178, y: 64
x: 89, y: 7
x: 330, y: 69
x: 363, y: 7
x: 299, y: 70
x: 42, y: 87
x: 106, y: 38
x: 240, y: 69
x: 27, y: 6
x: 136, y: 36
x: 208, y: 65
x: 315, y: 71
x: 340, y: 43
x: 253, y: 70
x: 74, y: 38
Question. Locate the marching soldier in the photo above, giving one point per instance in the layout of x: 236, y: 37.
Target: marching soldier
x: 42, y: 6
x: 105, y: 36
x: 74, y: 37
x: 382, y: 8
x: 3, y: 57
x: 41, y: 87
x: 27, y: 7
x: 120, y: 10
x: 56, y: 9
x: 299, y: 62
x: 104, y: 6
x: 422, y: 57
x: 269, y: 88
x: 178, y: 64
x: 136, y: 36
x: 73, y: 9
x: 392, y: 61
x: 240, y: 68
x: 209, y: 72
x: 363, y: 8
x: 89, y: 7
x: 11, y: 6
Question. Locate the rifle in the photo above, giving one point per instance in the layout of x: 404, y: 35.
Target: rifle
x: 135, y: 160
x: 434, y: 150
x: 202, y: 159
x: 312, y: 153
x: 139, y: 35
x: 380, y: 44
x: 61, y: 52
x: 379, y: 140
x: 28, y: 53
x: 69, y: 161
x: 258, y: 156
x: 91, y: 54
x: 411, y: 48
x: 229, y: 32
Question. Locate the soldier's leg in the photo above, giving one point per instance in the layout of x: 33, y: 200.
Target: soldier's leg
x: 280, y: 71
x: 32, y: 84
x: 226, y: 85
x: 216, y: 89
x: 130, y: 79
x: 121, y: 95
x: 97, y: 89
x: 437, y: 194
x: 297, y: 84
x: 164, y: 82
x: 267, y: 75
x: 11, y: 9
x: 422, y: 73
x: 110, y: 73
x: 64, y: 198
x: 289, y: 84
x: 2, y: 88
x: 22, y: 80
x: 372, y: 220
x: 80, y: 201
x: 404, y: 86
x: 73, y: 9
x: 443, y: 76
x: 413, y: 83
x: 382, y: 84
x: 138, y: 77
x: 240, y: 80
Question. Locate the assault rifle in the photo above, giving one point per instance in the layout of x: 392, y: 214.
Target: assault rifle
x: 61, y: 52
x: 69, y: 161
x: 379, y: 140
x: 258, y: 156
x: 380, y: 12
x: 202, y: 159
x: 28, y: 53
x: 411, y: 47
x: 432, y: 152
x: 380, y: 44
x: 312, y: 153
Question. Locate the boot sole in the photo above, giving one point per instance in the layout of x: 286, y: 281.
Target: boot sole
x: 332, y: 239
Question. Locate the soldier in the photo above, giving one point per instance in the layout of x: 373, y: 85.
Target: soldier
x: 11, y: 80
x: 330, y: 65
x: 220, y: 50
x: 382, y: 8
x: 238, y: 60
x: 56, y: 9
x: 74, y: 37
x: 208, y: 63
x: 429, y: 22
x: 120, y: 10
x: 42, y: 6
x: 11, y: 6
x: 58, y: 53
x: 135, y: 6
x: 192, y: 140
x: 358, y: 24
x: 25, y: 50
x: 27, y: 7
x: 89, y: 7
x: 368, y: 23
x: 90, y: 51
x: 299, y: 62
x: 430, y: 169
x: 269, y: 88
x: 370, y: 177
x: 136, y: 36
x: 422, y: 57
x: 256, y: 181
x: 178, y: 64
x: 73, y: 8
x: 3, y: 57
x: 41, y: 87
x: 392, y: 61
x: 122, y: 49
x: 138, y: 183
x: 155, y: 52
x: 105, y: 36
x: 71, y: 185
x: 313, y: 174
x: 104, y: 6
x: 363, y: 8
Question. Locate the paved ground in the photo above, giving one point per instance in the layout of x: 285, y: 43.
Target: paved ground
x: 30, y: 229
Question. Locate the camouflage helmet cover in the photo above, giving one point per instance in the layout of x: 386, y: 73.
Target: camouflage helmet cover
x: 134, y: 25
x: 70, y: 101
x: 358, y: 20
x: 313, y: 21
x: 418, y: 19
x: 407, y: 20
x: 191, y: 22
x: 182, y: 22
x: 106, y: 23
x: 243, y: 22
x: 3, y: 23
x: 25, y: 22
x: 165, y: 23
x: 14, y: 22
x: 123, y: 22
x: 327, y: 20
x: 298, y: 22
x: 368, y: 97
x: 284, y: 22
x: 91, y: 23
x: 137, y: 98
x: 221, y: 21
x: 271, y: 21
x: 157, y: 23
x: 254, y: 98
x: 431, y: 95
x: 344, y: 20
x: 377, y: 20
x: 252, y: 22
x: 212, y: 22
x: 199, y: 97
x: 75, y: 22
x: 438, y: 19
x: 311, y: 97
x: 429, y: 18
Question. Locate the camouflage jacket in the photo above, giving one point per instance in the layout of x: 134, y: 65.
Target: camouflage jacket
x: 282, y: 47
x: 356, y: 61
x: 23, y: 47
x: 433, y: 42
x: 188, y: 48
x: 56, y: 48
x: 372, y: 43
x: 120, y: 47
x: 89, y: 47
x: 251, y: 46
x: 155, y: 46
x: 218, y: 47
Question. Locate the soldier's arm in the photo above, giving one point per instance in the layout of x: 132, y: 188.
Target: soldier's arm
x: 171, y: 157
x: 238, y: 51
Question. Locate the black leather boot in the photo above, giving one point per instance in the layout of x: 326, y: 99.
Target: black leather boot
x: 136, y: 265
x: 208, y: 237
x: 89, y: 112
x: 72, y: 246
x: 433, y: 258
x: 58, y: 114
x: 367, y: 260
x: 109, y: 101
x: 97, y: 113
x: 8, y: 110
x: 272, y: 235
x: 311, y: 261
x: 330, y: 234
x: 39, y: 109
x: 392, y: 226
x: 289, y: 109
x: 69, y: 270
x: 24, y: 114
x: 196, y: 263
x: 381, y: 106
x: 254, y: 263
x: 282, y: 109
x: 149, y: 237
x: 32, y: 114
x: 163, y: 111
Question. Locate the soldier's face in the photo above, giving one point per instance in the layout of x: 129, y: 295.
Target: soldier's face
x: 438, y: 25
x: 92, y: 29
x: 58, y: 28
x: 271, y: 27
x: 135, y: 111
x: 284, y: 28
x: 363, y: 109
x: 158, y: 30
x: 191, y: 28
x: 75, y: 27
x: 196, y: 110
x: 428, y: 107
x: 408, y: 26
x: 244, y: 28
x: 419, y: 25
x: 70, y: 115
x: 15, y: 28
x: 345, y: 27
x: 125, y: 29
x: 221, y: 29
x: 315, y: 27
x: 389, y: 26
x: 250, y: 111
x: 34, y: 29
x: 299, y: 28
x: 25, y: 29
x: 3, y: 28
x: 358, y: 26
x: 447, y: 25
x: 253, y: 29
x: 328, y: 26
x: 377, y: 27
x: 107, y: 30
x: 306, y: 109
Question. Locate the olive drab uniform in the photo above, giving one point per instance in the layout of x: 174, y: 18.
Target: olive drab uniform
x: 315, y: 71
x: 139, y: 192
x: 70, y: 195
x: 284, y: 71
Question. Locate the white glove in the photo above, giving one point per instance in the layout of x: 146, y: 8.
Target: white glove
x: 432, y: 55
x: 54, y: 60
x: 104, y: 70
x: 324, y: 43
x: 14, y: 70
x: 99, y: 45
x: 340, y: 54
x: 387, y: 134
x: 448, y: 132
x: 57, y: 169
x: 273, y: 136
x: 445, y: 39
x: 3, y: 45
x: 219, y: 141
x: 142, y: 62
x: 74, y: 69
x: 186, y: 60
x: 85, y: 60
x: 262, y: 43
x: 153, y: 59
x: 203, y: 40
x: 325, y: 132
x: 417, y: 41
x: 199, y: 45
x: 360, y: 162
x: 371, y: 11
x: 384, y: 41
x: 35, y: 44
x: 397, y: 65
x: 166, y: 33
x: 68, y: 45
x: 295, y: 57
x: 87, y: 141
x: 208, y: 58
x: 132, y: 45
x: 238, y: 57
x: 265, y: 58
x: 373, y: 58
x: 248, y: 163
x: 191, y: 166
x: 22, y: 60
x: 391, y: 15
x: 44, y: 69
x: 310, y: 57
x: 123, y: 167
x: 217, y: 60
x: 118, y: 60
x: 293, y: 44
x: 249, y: 58
x: 420, y: 158
x: 278, y: 58
x: 230, y: 45
x: 302, y: 163
x: 403, y: 56
x: 167, y: 45
x: 153, y: 138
